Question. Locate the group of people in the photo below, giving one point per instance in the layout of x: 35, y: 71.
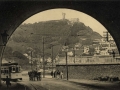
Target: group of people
x: 34, y: 74
x: 57, y: 74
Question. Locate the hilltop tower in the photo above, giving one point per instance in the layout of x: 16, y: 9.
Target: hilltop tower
x: 63, y: 14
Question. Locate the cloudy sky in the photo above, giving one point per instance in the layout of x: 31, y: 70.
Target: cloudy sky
x: 56, y: 14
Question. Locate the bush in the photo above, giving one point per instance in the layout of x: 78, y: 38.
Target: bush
x: 107, y: 78
x: 113, y: 79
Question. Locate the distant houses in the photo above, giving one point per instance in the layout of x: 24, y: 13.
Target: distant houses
x: 101, y: 50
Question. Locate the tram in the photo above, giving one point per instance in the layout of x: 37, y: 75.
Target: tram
x: 12, y: 70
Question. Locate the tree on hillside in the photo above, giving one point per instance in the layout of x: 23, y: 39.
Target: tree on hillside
x: 8, y: 52
x: 88, y: 41
x: 91, y: 50
x: 19, y: 55
x: 57, y: 31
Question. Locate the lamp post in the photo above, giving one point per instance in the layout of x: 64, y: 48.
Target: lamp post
x: 51, y: 45
x: 31, y: 60
x: 31, y: 50
x: 66, y: 49
x: 74, y: 54
x: 66, y: 64
x: 113, y: 55
x: 4, y: 37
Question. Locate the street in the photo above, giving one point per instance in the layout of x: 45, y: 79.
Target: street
x: 49, y: 83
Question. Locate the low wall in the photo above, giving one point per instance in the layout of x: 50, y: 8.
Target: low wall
x: 90, y: 71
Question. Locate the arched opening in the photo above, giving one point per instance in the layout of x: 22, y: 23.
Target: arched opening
x: 82, y: 34
x: 108, y: 25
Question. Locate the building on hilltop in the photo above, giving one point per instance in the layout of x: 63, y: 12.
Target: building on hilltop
x: 63, y: 14
x: 73, y: 20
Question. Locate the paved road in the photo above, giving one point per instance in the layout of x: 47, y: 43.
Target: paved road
x: 50, y: 84
x: 55, y: 84
x: 47, y: 84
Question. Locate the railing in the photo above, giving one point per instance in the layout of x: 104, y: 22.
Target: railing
x: 90, y: 60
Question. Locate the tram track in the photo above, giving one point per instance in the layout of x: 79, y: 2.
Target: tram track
x: 25, y: 88
x: 38, y: 87
x: 34, y: 87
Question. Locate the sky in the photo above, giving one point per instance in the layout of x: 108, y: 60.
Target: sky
x: 56, y: 14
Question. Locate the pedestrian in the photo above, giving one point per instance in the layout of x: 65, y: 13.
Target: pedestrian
x: 8, y: 82
x: 58, y: 74
x: 61, y: 74
x: 33, y: 76
x: 54, y: 74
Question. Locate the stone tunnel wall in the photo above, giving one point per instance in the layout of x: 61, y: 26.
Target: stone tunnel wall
x: 90, y: 71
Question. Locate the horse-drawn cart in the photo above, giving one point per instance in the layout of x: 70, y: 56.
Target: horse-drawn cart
x: 34, y: 75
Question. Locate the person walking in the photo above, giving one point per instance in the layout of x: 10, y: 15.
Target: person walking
x: 58, y: 74
x: 54, y: 74
x: 61, y: 74
x: 8, y: 81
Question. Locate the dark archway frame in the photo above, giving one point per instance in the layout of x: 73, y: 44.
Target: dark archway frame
x: 13, y: 13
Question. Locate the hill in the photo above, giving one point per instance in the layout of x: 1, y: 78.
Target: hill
x: 55, y: 32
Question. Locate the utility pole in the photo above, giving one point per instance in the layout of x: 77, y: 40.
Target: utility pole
x: 107, y: 36
x: 43, y: 59
x: 74, y: 54
x: 31, y: 60
x: 52, y: 58
x: 66, y: 48
x: 66, y: 65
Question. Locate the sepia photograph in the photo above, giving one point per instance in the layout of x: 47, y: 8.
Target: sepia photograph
x: 59, y: 45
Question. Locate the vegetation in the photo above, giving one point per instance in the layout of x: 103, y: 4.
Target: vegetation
x: 55, y: 32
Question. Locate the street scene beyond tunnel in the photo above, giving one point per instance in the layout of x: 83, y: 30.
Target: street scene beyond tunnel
x: 60, y: 49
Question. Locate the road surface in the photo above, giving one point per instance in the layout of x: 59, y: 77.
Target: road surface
x: 49, y: 83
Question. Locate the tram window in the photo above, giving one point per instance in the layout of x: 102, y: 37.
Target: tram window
x: 19, y: 68
x: 6, y: 71
x: 10, y: 69
x: 1, y: 71
x: 13, y: 69
x: 16, y: 69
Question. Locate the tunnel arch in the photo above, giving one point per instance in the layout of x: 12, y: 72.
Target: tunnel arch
x: 13, y: 13
x: 17, y: 12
